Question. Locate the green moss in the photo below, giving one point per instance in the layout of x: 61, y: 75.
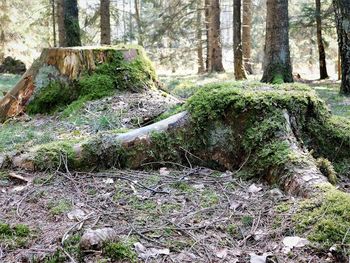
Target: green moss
x: 120, y: 251
x: 255, y: 116
x: 15, y: 236
x: 59, y: 207
x: 326, y: 217
x: 54, y: 155
x: 327, y: 170
x: 55, y: 95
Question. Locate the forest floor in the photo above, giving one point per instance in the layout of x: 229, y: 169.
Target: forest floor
x: 174, y: 214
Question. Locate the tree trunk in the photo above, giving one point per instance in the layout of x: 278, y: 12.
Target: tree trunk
x: 206, y: 16
x: 71, y: 23
x: 342, y: 15
x: 199, y: 25
x: 321, y: 51
x: 53, y: 4
x: 277, y: 65
x: 215, y: 48
x: 237, y: 41
x: 246, y: 35
x: 105, y: 23
x: 60, y: 24
x: 4, y: 19
x: 140, y: 39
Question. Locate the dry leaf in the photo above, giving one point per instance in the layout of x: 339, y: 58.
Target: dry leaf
x: 164, y: 171
x: 295, y: 241
x: 254, y: 189
x: 146, y: 253
x: 254, y: 258
x: 222, y: 253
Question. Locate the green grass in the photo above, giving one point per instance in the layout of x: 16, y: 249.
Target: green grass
x: 329, y: 92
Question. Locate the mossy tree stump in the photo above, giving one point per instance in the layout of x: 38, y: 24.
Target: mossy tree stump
x: 277, y: 133
x: 63, y: 75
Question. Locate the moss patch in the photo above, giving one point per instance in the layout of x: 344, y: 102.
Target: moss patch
x: 326, y: 218
x: 119, y: 252
x: 54, y: 155
x: 14, y: 236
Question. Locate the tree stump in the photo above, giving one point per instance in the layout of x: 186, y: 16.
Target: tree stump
x: 67, y: 66
x: 276, y: 133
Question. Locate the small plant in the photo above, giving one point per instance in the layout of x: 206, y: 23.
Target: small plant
x: 60, y: 207
x: 247, y: 221
x: 119, y: 251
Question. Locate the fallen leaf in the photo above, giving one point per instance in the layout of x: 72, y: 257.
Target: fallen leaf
x: 295, y: 241
x: 254, y: 258
x: 235, y: 205
x: 146, y: 253
x: 164, y: 171
x: 222, y: 253
x: 76, y: 214
x: 108, y: 181
x: 254, y: 189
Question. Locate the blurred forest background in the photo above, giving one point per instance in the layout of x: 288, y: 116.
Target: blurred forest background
x: 169, y: 31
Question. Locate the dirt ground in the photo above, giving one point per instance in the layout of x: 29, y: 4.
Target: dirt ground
x: 188, y: 214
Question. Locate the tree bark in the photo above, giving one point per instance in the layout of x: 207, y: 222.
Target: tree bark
x: 71, y: 23
x: 342, y: 15
x: 140, y: 39
x: 215, y: 48
x: 206, y: 17
x: 4, y: 19
x: 237, y: 41
x: 321, y: 50
x: 246, y: 35
x: 105, y: 23
x: 199, y: 25
x: 60, y: 24
x: 277, y: 64
x: 53, y: 4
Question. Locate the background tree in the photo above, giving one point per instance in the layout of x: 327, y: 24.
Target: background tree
x: 137, y: 4
x: 277, y: 65
x: 342, y: 14
x: 246, y: 35
x: 199, y: 25
x: 4, y: 22
x: 60, y: 23
x: 214, y: 41
x: 105, y: 22
x: 71, y: 23
x: 321, y: 50
x: 237, y: 41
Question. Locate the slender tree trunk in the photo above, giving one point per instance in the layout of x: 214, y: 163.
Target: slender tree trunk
x: 215, y: 49
x: 342, y: 15
x: 140, y: 39
x: 3, y: 26
x: 71, y: 23
x: 105, y: 24
x: 199, y: 24
x: 237, y: 41
x: 339, y: 65
x: 277, y: 64
x: 206, y: 15
x: 60, y: 24
x: 321, y: 51
x: 247, y: 35
x: 54, y: 22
